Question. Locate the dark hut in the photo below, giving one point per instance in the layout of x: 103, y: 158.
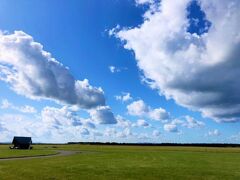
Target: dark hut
x: 21, y: 142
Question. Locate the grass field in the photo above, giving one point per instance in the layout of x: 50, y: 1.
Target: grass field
x: 123, y: 162
x: 6, y: 152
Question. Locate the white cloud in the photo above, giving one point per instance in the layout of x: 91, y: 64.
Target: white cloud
x: 102, y: 115
x: 5, y: 104
x: 123, y: 123
x: 113, y: 69
x: 156, y: 133
x: 96, y: 133
x: 124, y: 97
x: 88, y: 124
x: 126, y: 133
x: 143, y: 136
x: 158, y: 114
x: 34, y: 73
x: 142, y: 123
x: 120, y: 133
x: 10, y: 125
x: 52, y: 125
x: 185, y: 121
x: 235, y: 137
x: 24, y: 109
x: 139, y: 108
x: 84, y: 131
x: 59, y: 117
x: 140, y: 2
x: 197, y: 71
x: 215, y: 132
x: 192, y: 123
x: 61, y: 125
x: 110, y: 132
x: 170, y: 127
x: 27, y: 109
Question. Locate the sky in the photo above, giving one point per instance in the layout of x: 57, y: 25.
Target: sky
x: 120, y: 71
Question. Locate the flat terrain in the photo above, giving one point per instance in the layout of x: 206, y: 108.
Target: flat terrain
x: 5, y: 152
x: 122, y: 162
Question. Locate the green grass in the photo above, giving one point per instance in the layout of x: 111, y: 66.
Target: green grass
x: 127, y: 162
x: 5, y: 152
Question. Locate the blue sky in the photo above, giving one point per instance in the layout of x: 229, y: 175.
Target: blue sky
x: 153, y: 71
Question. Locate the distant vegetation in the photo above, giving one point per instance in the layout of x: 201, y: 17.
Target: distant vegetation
x: 161, y: 144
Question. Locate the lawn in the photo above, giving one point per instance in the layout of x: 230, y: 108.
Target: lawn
x: 126, y: 162
x: 6, y: 152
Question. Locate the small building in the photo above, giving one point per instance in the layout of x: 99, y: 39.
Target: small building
x: 21, y: 142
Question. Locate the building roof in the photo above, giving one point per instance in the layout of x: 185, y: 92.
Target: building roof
x: 22, y: 140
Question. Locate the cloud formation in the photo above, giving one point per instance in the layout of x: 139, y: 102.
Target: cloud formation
x: 140, y: 2
x: 34, y: 73
x: 215, y: 132
x: 51, y: 125
x: 24, y: 109
x: 190, y: 122
x: 170, y: 127
x: 102, y: 115
x: 59, y: 117
x: 185, y: 121
x: 197, y: 71
x: 124, y: 97
x: 156, y: 133
x: 113, y: 69
x: 142, y: 123
x: 139, y: 108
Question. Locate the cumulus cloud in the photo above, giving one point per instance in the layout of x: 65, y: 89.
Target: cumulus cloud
x: 126, y: 133
x: 170, y: 127
x: 142, y: 123
x: 84, y: 131
x: 88, y: 124
x: 124, y: 97
x: 143, y: 136
x: 114, y: 69
x: 52, y: 125
x: 24, y: 109
x: 110, y: 132
x: 5, y: 104
x: 158, y: 114
x: 59, y: 117
x: 139, y: 108
x: 140, y: 2
x: 192, y: 123
x: 198, y: 71
x: 185, y: 121
x: 235, y: 137
x: 34, y: 73
x: 215, y: 132
x: 59, y: 121
x: 96, y: 133
x: 123, y: 123
x: 156, y: 133
x: 102, y: 115
x: 9, y: 125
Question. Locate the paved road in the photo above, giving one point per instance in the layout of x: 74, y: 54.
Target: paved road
x: 58, y: 153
